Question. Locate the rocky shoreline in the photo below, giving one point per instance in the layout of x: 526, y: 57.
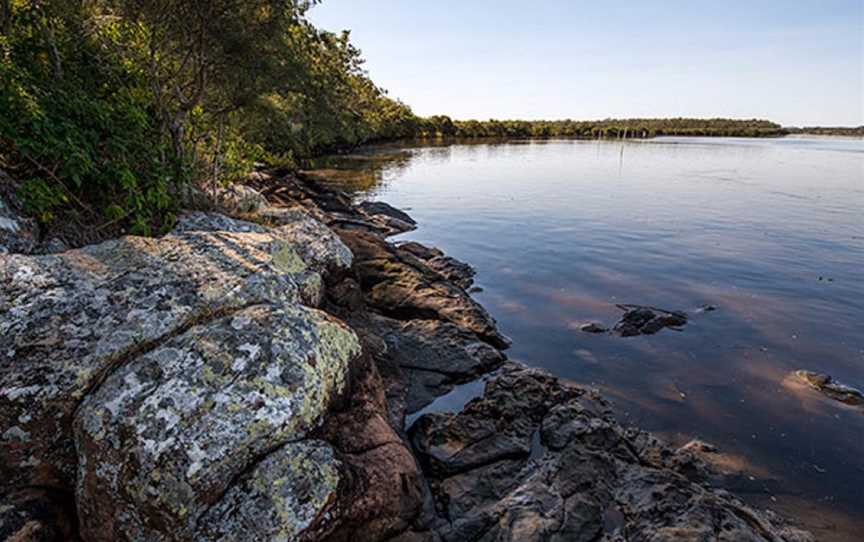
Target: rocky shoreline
x: 248, y: 377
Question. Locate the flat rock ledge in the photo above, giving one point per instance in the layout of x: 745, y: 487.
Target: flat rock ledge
x: 249, y: 378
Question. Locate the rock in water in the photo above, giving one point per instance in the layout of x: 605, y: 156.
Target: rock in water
x: 640, y: 320
x: 828, y: 386
x: 593, y: 327
x: 382, y: 208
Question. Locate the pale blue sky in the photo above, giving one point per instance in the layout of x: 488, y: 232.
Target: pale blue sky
x: 798, y: 62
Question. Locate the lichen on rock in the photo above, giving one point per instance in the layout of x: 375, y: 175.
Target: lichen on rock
x: 72, y: 318
x: 198, y: 411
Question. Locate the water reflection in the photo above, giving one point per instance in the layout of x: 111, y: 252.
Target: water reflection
x: 769, y: 231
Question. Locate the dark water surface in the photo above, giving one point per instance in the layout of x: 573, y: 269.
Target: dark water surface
x: 771, y: 232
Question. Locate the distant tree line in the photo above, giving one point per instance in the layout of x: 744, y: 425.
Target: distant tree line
x: 442, y: 126
x: 848, y: 131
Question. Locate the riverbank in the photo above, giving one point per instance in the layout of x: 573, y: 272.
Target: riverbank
x: 250, y: 377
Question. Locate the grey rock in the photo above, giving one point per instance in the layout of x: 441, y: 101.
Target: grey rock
x: 169, y: 431
x: 240, y: 199
x: 18, y: 234
x: 315, y: 243
x: 429, y: 357
x: 282, y: 497
x: 71, y: 319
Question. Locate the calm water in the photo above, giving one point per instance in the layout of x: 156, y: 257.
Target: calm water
x: 769, y: 231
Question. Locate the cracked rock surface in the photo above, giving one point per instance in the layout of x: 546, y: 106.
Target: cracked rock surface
x: 535, y: 459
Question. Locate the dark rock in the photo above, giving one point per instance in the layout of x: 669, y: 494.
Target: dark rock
x: 37, y: 515
x: 382, y: 491
x: 401, y: 286
x: 831, y: 388
x: 640, y: 320
x: 593, y: 327
x: 372, y: 208
x: 450, y: 268
x: 429, y: 357
x: 595, y: 480
x: 456, y: 271
x: 420, y: 250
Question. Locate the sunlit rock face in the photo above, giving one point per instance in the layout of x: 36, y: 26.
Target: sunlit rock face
x: 182, y: 362
x: 164, y: 437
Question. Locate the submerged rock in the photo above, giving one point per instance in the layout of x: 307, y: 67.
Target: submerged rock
x: 641, y: 320
x: 538, y: 460
x: 593, y: 327
x: 831, y: 388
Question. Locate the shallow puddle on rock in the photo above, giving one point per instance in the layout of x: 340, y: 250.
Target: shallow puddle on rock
x: 453, y: 401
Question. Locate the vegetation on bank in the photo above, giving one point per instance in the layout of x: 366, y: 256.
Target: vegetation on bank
x: 107, y: 107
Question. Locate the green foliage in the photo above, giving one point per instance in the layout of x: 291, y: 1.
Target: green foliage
x: 77, y: 126
x: 107, y: 105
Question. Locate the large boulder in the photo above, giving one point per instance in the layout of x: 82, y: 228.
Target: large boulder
x: 163, y: 440
x: 535, y: 459
x: 71, y: 319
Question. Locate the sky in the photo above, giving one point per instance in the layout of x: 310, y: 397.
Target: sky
x: 796, y: 62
